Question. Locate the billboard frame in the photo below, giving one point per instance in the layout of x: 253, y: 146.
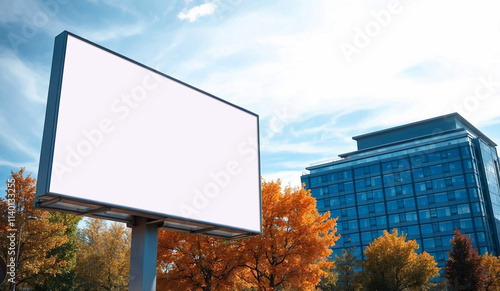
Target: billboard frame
x: 44, y: 199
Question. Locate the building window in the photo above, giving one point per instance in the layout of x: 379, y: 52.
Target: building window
x: 406, y: 189
x: 463, y: 209
x: 424, y: 214
x: 379, y: 207
x: 438, y: 184
x: 348, y: 186
x: 315, y: 181
x: 420, y: 187
x: 465, y: 151
x: 446, y: 226
x: 409, y: 202
x: 418, y: 173
x: 429, y: 243
x: 381, y: 221
x: 366, y: 237
x: 411, y: 216
x: 353, y: 224
x: 392, y: 205
x: 479, y: 221
x: 465, y: 223
x: 364, y: 223
x: 436, y: 170
x: 458, y: 180
x: 443, y: 212
x: 393, y: 218
x: 455, y: 166
x: 422, y: 200
x: 441, y: 197
x: 363, y: 209
x: 390, y: 192
x: 460, y: 194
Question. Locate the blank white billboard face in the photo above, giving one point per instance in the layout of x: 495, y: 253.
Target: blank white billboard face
x: 128, y: 136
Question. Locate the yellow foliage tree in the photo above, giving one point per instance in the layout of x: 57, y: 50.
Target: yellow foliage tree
x: 103, y: 260
x: 392, y: 264
x: 295, y: 242
x: 39, y: 236
x: 491, y: 265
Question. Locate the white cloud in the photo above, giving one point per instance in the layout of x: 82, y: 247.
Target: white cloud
x: 288, y: 178
x: 196, y: 12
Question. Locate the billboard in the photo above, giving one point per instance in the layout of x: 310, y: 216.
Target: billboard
x: 122, y: 140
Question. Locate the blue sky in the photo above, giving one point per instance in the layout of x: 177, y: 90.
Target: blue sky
x: 316, y: 72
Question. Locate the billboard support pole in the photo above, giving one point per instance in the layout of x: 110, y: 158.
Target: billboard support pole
x: 143, y: 255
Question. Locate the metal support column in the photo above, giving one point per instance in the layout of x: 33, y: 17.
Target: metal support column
x: 143, y: 256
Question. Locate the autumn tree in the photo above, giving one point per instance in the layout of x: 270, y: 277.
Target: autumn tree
x: 41, y: 235
x: 192, y: 262
x: 463, y: 270
x: 391, y: 263
x: 295, y: 242
x: 348, y: 270
x: 329, y: 280
x: 65, y: 280
x: 491, y: 265
x: 103, y: 258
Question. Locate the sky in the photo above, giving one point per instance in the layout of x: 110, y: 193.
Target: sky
x: 316, y: 72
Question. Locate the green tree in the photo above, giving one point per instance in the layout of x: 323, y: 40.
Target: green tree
x: 348, y: 271
x: 464, y: 270
x: 329, y: 280
x: 65, y: 252
x: 392, y: 264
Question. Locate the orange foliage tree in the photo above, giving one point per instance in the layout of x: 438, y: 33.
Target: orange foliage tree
x: 295, y: 242
x: 191, y: 262
x: 39, y: 236
x: 291, y: 252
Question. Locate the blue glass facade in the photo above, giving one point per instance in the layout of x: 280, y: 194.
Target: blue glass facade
x: 425, y: 178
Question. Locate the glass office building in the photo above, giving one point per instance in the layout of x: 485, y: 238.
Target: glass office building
x: 425, y: 178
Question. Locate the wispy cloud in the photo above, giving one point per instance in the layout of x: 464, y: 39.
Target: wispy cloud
x: 115, y: 32
x: 10, y: 138
x: 198, y: 11
x: 24, y: 75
